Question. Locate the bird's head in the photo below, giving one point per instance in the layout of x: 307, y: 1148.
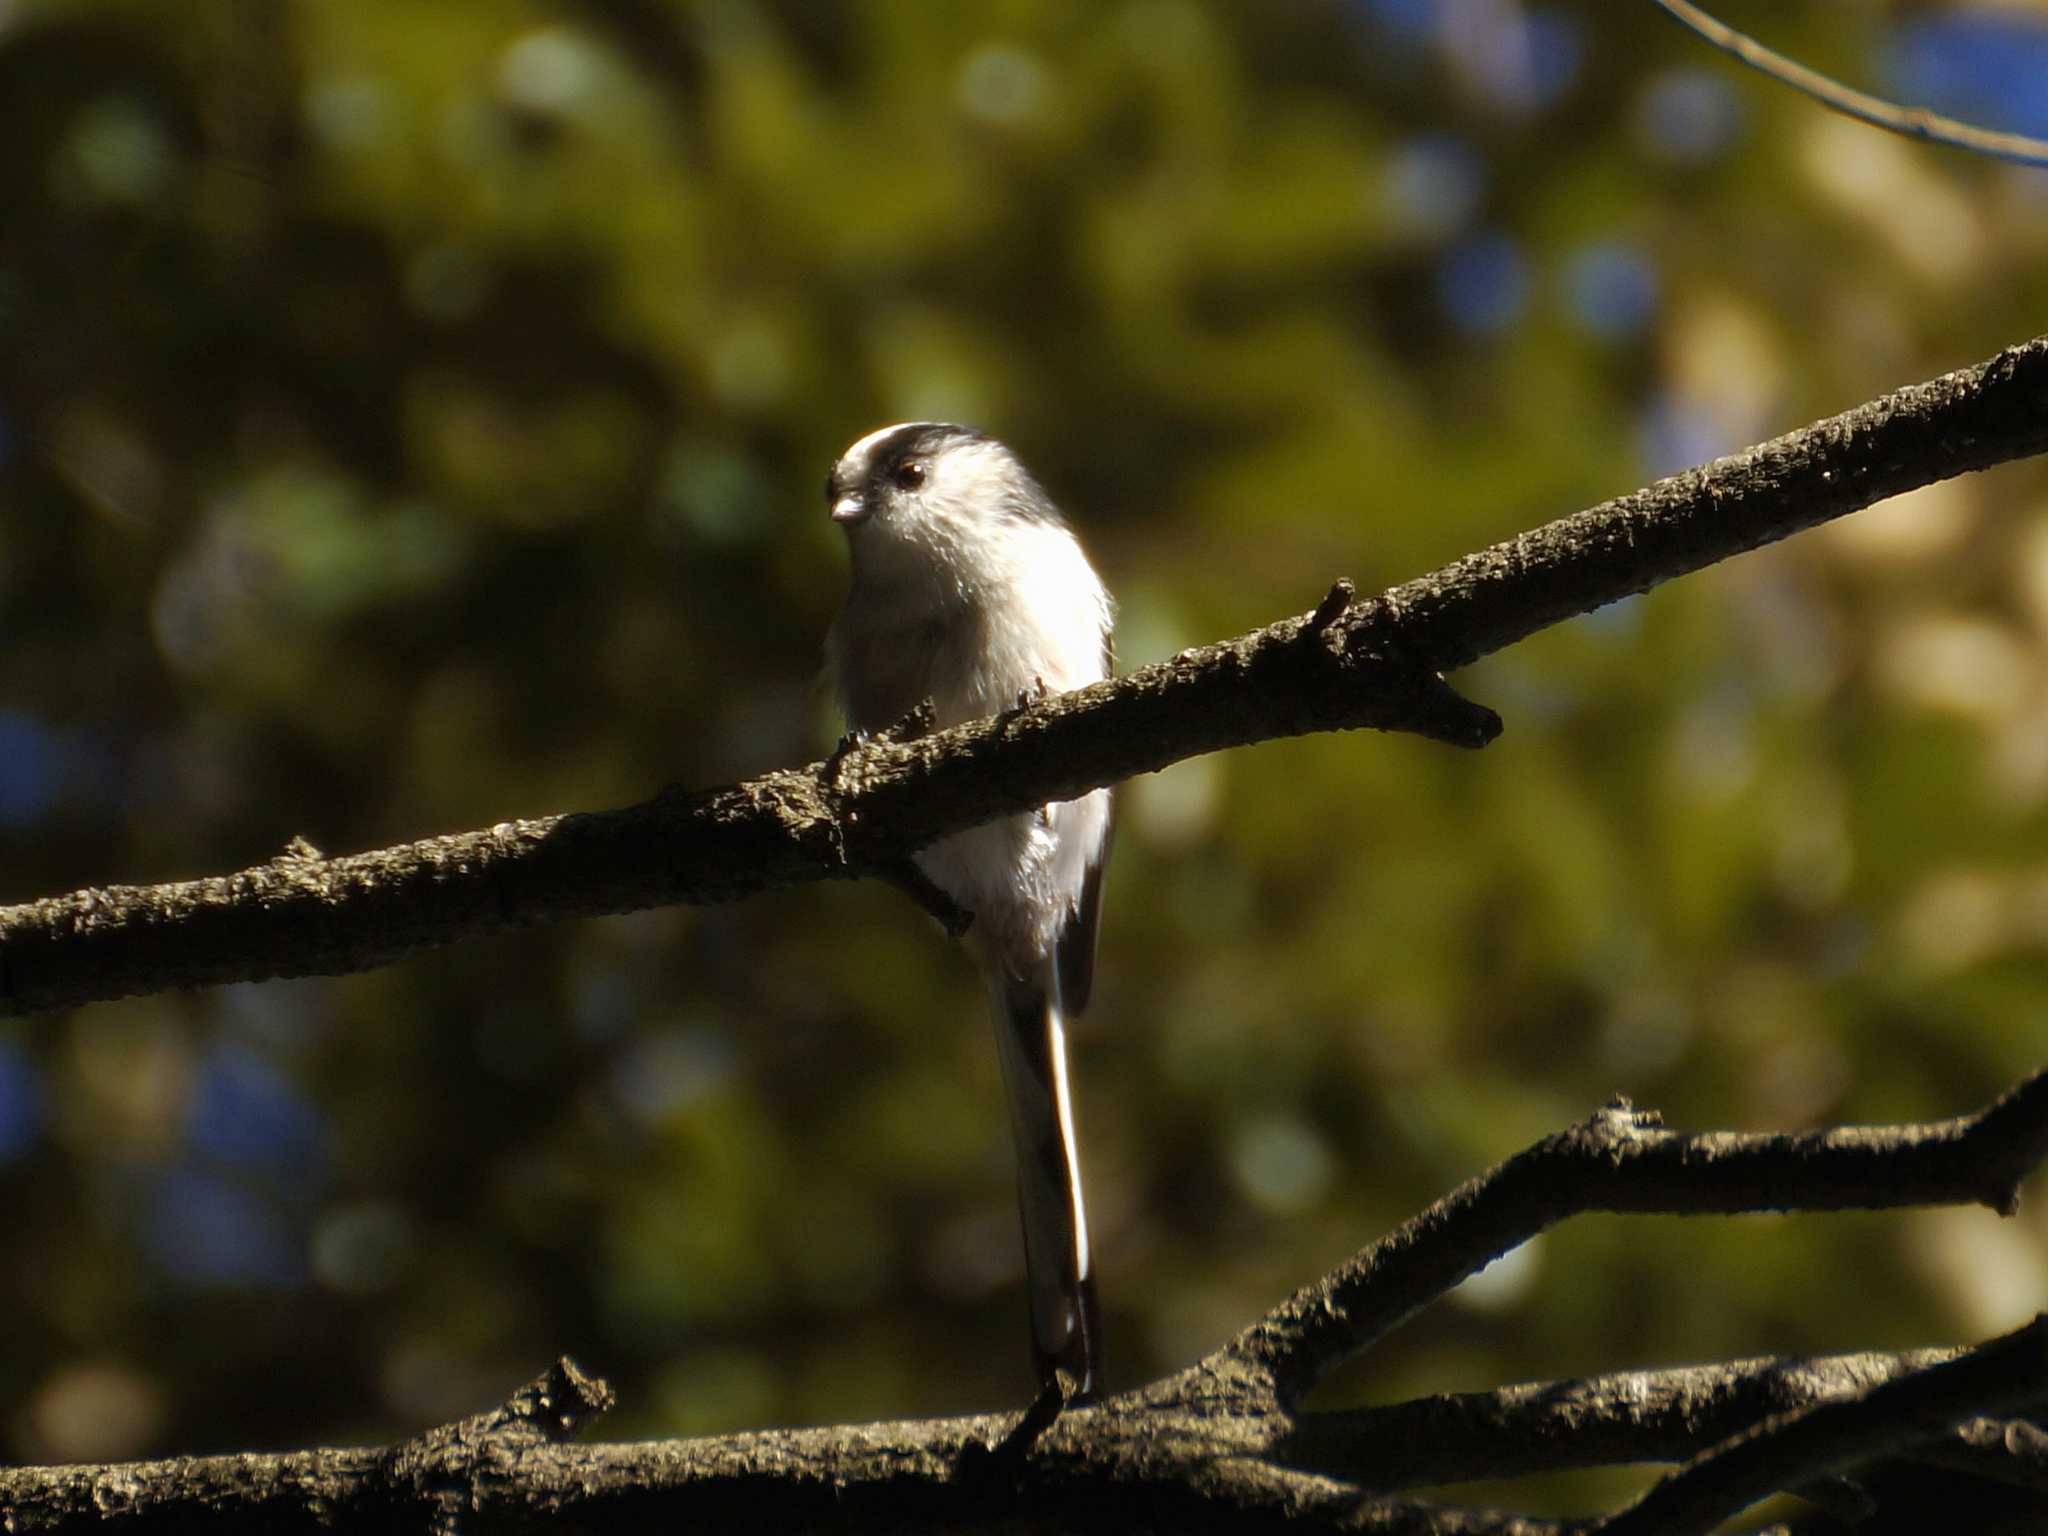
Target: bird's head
x: 925, y: 481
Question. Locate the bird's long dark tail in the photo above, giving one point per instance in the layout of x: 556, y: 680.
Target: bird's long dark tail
x: 1031, y: 1040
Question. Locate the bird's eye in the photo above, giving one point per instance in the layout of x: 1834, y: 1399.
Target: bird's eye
x: 909, y: 474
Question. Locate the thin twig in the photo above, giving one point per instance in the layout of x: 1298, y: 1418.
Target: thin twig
x: 1913, y: 122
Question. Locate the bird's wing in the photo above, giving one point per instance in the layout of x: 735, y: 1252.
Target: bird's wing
x: 1074, y: 949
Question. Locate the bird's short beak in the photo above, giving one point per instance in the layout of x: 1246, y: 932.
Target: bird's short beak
x: 849, y: 509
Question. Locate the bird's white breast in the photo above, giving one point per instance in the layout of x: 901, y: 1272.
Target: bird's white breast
x: 980, y: 614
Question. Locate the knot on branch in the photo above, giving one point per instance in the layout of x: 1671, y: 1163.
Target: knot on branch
x: 1444, y: 714
x: 1413, y: 694
x: 443, y: 1468
x: 556, y: 1404
x: 1332, y: 607
x: 1611, y: 1134
x: 551, y: 1408
x: 1619, y: 1117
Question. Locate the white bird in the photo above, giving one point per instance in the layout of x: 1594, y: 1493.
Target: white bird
x: 970, y: 591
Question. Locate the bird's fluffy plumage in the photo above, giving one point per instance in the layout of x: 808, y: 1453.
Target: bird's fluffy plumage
x: 970, y: 591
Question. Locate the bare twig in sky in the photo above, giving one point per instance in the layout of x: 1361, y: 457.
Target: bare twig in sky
x: 1913, y: 122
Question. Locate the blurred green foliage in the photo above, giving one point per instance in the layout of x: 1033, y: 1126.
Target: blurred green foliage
x: 412, y: 416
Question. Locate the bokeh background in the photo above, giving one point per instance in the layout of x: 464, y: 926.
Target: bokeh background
x: 413, y: 416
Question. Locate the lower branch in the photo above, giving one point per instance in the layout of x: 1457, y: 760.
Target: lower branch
x: 1600, y: 1421
x: 1222, y: 1445
x: 1923, y: 1406
x: 1622, y: 1160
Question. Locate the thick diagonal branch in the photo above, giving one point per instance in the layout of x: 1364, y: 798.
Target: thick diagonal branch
x: 1349, y: 664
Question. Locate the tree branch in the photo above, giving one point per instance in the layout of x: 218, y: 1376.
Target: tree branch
x: 1219, y: 1447
x: 2002, y: 1450
x: 1911, y: 122
x: 2004, y: 1375
x: 1622, y: 1160
x: 1349, y: 665
x: 1599, y: 1421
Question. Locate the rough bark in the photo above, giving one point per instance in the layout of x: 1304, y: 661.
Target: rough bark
x: 1227, y: 1445
x: 1350, y: 664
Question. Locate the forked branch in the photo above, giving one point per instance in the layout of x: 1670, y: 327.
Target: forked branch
x: 1623, y: 1160
x: 1224, y: 1445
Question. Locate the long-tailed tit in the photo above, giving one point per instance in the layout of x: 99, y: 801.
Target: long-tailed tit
x: 969, y: 590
